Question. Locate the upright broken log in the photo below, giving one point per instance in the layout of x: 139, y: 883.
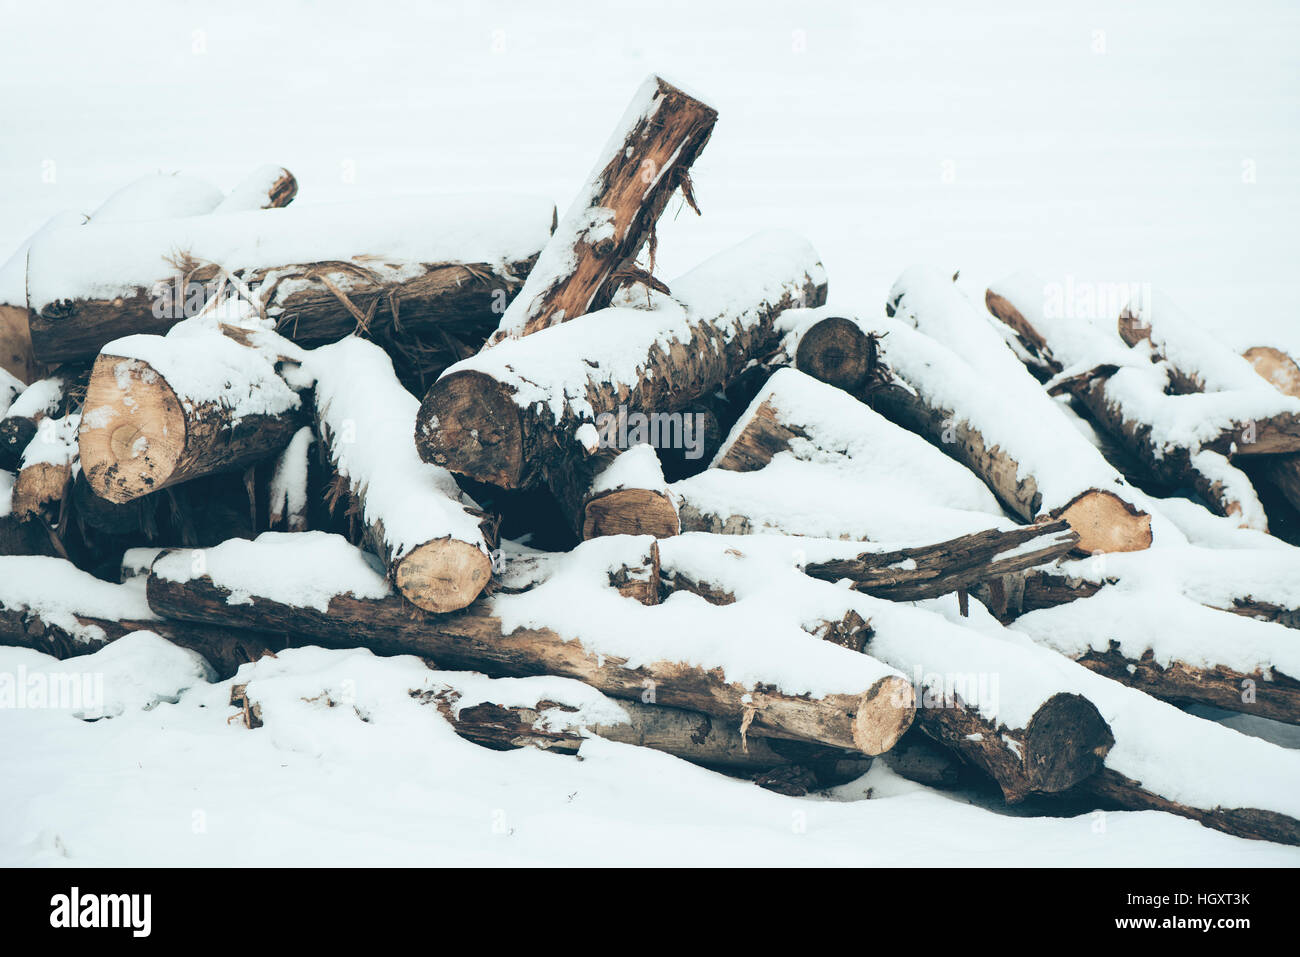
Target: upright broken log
x: 165, y: 409
x: 1177, y: 650
x: 528, y: 411
x: 595, y: 245
x: 869, y: 708
x: 429, y: 534
x: 438, y: 266
x: 631, y: 497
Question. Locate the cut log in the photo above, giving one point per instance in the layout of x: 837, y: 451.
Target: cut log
x: 1181, y: 440
x: 45, y: 472
x: 631, y: 498
x: 161, y: 410
x: 1276, y: 367
x: 288, y: 489
x: 595, y: 245
x: 867, y: 719
x: 528, y: 411
x: 406, y: 265
x: 1177, y: 650
x: 429, y: 534
x: 267, y: 187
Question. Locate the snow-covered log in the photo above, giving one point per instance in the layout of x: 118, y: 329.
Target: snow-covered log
x: 777, y: 681
x: 830, y: 348
x: 529, y: 411
x: 52, y: 606
x: 48, y: 397
x: 267, y: 187
x: 1177, y: 650
x: 438, y: 264
x: 1020, y: 716
x: 164, y: 409
x: 631, y: 497
x: 288, y: 487
x: 428, y: 533
x: 46, y: 469
x: 1182, y: 440
x: 594, y: 248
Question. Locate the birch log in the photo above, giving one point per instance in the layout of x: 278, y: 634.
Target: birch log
x: 595, y: 245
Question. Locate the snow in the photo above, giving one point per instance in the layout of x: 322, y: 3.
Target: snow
x: 370, y: 420
x: 158, y: 196
x: 637, y: 467
x: 105, y: 261
x: 288, y: 489
x: 252, y: 192
x: 58, y: 591
x: 6, y: 493
x: 40, y: 398
x: 202, y: 365
x: 10, y: 388
x: 55, y: 442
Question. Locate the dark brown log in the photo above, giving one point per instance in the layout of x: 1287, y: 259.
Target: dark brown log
x: 594, y: 249
x: 927, y: 571
x: 870, y: 721
x: 836, y: 351
x: 483, y: 420
x: 1251, y: 823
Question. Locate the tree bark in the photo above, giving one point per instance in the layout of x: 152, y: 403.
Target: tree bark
x: 45, y: 472
x: 595, y: 246
x: 528, y: 411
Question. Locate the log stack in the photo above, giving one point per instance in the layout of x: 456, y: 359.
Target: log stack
x: 790, y: 533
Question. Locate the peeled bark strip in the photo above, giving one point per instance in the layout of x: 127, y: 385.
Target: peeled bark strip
x: 631, y: 497
x: 644, y: 163
x: 161, y: 410
x: 45, y: 473
x: 407, y: 266
x: 529, y: 410
x: 869, y: 720
x: 1122, y: 403
x: 1251, y: 823
x: 267, y: 187
x: 428, y: 533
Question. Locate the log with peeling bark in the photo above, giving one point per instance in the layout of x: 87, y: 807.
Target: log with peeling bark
x: 529, y: 411
x: 160, y: 410
x: 45, y: 471
x: 867, y: 719
x: 1177, y: 650
x: 631, y: 497
x: 434, y: 540
x: 407, y: 268
x: 1181, y: 440
x: 595, y: 246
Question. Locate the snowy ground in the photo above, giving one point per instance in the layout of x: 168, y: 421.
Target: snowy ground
x: 1106, y: 141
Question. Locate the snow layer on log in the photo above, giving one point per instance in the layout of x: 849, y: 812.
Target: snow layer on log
x: 58, y: 591
x: 42, y: 397
x: 638, y: 467
x: 370, y: 419
x: 119, y: 259
x: 795, y: 497
x: 158, y: 196
x: 1170, y: 626
x: 11, y: 387
x: 1203, y: 527
x: 725, y: 289
x: 55, y: 442
x: 254, y: 191
x: 854, y: 439
x: 288, y: 487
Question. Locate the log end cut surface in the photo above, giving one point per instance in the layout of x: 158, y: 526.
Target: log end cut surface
x: 469, y: 423
x: 1066, y: 742
x: 444, y: 575
x: 133, y: 430
x: 835, y: 351
x: 632, y: 511
x: 884, y: 714
x: 1106, y: 523
x: 1277, y: 367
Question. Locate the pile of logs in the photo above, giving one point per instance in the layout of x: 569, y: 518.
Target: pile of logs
x: 781, y: 535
